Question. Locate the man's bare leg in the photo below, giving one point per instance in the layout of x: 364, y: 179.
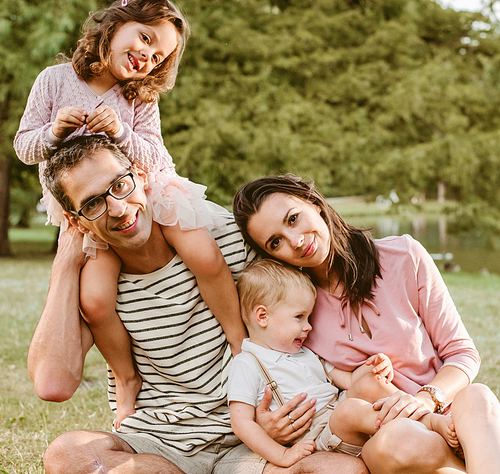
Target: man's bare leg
x: 476, y: 414
x: 96, y: 452
x: 322, y: 462
x: 407, y: 446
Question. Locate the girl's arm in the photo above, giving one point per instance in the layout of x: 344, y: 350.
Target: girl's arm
x: 31, y: 143
x: 202, y: 256
x: 246, y: 429
x: 143, y: 142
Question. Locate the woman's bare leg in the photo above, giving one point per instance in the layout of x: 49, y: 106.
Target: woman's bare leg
x: 476, y: 414
x: 407, y: 446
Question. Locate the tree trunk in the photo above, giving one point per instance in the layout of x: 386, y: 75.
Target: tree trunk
x: 4, y: 208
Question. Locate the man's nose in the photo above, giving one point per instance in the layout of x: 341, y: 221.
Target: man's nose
x: 116, y: 207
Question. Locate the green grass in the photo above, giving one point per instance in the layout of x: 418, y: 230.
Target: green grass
x: 28, y: 425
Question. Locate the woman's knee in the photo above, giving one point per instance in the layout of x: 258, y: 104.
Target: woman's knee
x: 476, y: 399
x: 404, y: 444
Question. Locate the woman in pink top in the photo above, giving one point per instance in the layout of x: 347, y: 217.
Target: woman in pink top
x: 377, y: 296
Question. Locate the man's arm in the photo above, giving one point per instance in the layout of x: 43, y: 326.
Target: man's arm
x: 62, y: 339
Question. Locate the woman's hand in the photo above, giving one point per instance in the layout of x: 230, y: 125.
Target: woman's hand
x: 382, y: 366
x: 400, y: 405
x: 287, y: 422
x: 104, y: 119
x: 68, y: 119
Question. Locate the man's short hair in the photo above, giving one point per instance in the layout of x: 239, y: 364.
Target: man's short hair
x: 70, y: 155
x: 268, y: 282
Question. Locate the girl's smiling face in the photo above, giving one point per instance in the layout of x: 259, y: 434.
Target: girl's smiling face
x: 291, y: 230
x: 137, y: 48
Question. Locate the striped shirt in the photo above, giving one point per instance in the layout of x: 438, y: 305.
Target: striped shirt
x: 180, y: 350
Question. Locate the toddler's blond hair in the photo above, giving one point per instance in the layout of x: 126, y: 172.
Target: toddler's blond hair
x: 268, y: 282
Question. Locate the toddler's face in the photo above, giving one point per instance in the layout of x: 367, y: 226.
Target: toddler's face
x: 288, y: 323
x: 137, y: 48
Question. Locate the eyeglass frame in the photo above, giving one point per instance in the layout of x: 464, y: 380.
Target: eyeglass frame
x: 106, y: 194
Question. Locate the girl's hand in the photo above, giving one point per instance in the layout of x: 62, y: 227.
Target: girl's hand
x: 104, y: 119
x: 400, y: 405
x: 277, y: 424
x: 297, y: 452
x: 382, y: 366
x: 68, y: 119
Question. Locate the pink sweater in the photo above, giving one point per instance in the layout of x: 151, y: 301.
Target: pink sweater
x: 59, y: 86
x: 412, y: 319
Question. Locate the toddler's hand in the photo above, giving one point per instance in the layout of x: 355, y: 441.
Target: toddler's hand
x: 298, y: 451
x: 104, y: 119
x: 68, y: 119
x: 382, y: 366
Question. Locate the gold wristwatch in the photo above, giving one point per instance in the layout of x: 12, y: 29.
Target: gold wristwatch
x: 437, y: 395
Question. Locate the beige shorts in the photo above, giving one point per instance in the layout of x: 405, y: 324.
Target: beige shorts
x: 324, y: 438
x: 230, y: 456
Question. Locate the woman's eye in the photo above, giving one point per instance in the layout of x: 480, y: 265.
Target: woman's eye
x: 156, y: 58
x: 275, y: 243
x: 145, y: 38
x: 293, y: 218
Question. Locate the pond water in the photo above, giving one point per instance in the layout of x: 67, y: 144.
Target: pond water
x: 467, y: 252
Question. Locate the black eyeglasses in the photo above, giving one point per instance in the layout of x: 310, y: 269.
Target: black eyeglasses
x: 120, y: 189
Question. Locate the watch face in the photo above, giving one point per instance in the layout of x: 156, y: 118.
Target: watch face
x: 439, y: 396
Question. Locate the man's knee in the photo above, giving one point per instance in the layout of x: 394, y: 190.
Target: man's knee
x: 82, y: 448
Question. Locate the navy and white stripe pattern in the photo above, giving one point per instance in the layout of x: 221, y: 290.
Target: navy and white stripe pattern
x: 180, y: 350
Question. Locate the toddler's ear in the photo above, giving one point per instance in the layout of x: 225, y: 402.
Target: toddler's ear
x: 261, y: 315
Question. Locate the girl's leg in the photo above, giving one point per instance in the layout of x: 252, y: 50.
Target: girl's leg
x: 98, y: 290
x: 476, y: 414
x: 202, y: 256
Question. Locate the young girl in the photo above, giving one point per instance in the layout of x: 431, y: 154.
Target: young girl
x: 129, y: 54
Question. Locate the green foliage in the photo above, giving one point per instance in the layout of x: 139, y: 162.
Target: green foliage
x: 362, y: 96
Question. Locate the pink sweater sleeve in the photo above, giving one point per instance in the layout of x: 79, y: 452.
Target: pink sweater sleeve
x: 30, y: 143
x: 440, y: 316
x: 143, y: 142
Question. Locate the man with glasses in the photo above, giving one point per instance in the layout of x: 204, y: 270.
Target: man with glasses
x: 182, y: 420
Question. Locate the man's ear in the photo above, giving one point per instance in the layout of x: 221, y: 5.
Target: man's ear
x: 261, y: 315
x: 73, y: 221
x: 141, y: 174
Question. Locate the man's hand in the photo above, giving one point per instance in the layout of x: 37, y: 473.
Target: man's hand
x: 287, y: 422
x: 68, y: 119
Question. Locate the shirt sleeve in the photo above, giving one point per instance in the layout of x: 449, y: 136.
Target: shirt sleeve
x: 442, y: 321
x: 245, y: 383
x: 144, y: 143
x: 31, y: 143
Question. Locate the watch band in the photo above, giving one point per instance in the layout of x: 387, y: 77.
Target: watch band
x: 437, y: 395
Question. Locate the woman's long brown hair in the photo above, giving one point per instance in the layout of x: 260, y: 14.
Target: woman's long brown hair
x: 353, y: 255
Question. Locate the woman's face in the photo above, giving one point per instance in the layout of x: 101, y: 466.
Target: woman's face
x: 291, y: 230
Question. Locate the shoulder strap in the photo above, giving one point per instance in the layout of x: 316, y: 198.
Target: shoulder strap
x: 272, y: 384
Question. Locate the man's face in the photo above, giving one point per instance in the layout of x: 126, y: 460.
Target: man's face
x: 127, y: 222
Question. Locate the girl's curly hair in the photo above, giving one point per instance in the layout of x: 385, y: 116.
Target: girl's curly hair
x: 93, y: 52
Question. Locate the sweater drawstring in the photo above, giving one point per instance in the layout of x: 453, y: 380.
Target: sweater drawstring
x: 346, y: 311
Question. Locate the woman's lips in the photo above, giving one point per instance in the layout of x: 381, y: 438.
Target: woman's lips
x: 310, y: 249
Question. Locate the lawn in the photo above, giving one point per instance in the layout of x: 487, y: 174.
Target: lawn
x: 28, y: 425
